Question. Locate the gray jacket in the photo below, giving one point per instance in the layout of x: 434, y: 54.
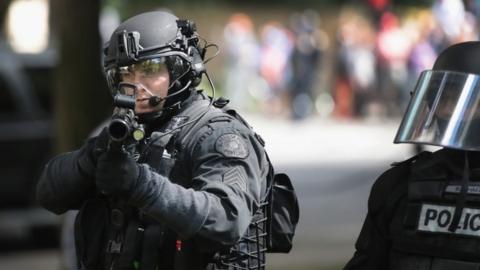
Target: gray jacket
x: 206, y: 189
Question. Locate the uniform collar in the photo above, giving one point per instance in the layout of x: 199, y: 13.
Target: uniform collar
x: 454, y: 160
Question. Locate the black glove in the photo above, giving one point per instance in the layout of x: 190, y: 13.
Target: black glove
x: 117, y: 172
x: 88, y: 154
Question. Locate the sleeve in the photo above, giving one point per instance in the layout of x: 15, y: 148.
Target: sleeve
x: 65, y: 182
x: 228, y: 168
x: 372, y: 246
x: 371, y: 249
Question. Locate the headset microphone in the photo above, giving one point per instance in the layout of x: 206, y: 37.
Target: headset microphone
x: 154, y: 101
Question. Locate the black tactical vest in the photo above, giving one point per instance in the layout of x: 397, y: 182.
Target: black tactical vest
x: 421, y: 233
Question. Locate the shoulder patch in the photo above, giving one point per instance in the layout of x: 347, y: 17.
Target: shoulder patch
x: 231, y: 146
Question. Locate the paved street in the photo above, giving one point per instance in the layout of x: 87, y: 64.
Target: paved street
x: 332, y: 164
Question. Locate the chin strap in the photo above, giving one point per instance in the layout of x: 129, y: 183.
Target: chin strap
x: 461, y: 197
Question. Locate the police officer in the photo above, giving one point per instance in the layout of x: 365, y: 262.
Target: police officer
x: 187, y: 196
x: 424, y: 213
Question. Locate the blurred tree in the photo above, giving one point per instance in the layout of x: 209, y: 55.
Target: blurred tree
x: 81, y: 95
x: 4, y: 4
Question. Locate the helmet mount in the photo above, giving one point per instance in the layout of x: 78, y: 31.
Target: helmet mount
x: 128, y: 47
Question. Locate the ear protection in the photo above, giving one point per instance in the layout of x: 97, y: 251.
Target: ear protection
x: 195, y: 53
x: 197, y: 66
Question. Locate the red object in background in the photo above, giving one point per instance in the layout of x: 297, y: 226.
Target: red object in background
x: 178, y: 245
x: 343, y: 99
x: 392, y: 43
x: 379, y: 5
x: 389, y: 21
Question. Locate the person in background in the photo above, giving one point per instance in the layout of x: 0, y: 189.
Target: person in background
x: 424, y: 212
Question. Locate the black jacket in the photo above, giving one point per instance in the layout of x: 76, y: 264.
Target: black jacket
x: 410, y: 209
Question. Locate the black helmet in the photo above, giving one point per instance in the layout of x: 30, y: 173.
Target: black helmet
x: 462, y: 57
x: 445, y: 106
x: 154, y: 35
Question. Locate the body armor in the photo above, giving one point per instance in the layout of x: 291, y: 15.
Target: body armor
x: 139, y: 241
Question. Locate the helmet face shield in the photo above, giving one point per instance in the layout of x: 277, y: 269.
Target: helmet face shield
x: 444, y: 111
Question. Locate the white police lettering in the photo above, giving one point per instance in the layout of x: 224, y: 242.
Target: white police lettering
x: 437, y: 218
x: 475, y: 190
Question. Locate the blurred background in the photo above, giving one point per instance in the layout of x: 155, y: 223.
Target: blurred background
x: 324, y: 82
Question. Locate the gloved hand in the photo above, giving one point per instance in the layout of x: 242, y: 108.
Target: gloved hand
x: 101, y: 143
x: 117, y: 172
x: 87, y: 155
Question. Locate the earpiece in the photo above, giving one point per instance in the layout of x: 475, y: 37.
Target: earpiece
x: 198, y: 67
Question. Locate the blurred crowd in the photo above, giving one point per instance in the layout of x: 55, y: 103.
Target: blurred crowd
x: 376, y: 52
x: 277, y: 70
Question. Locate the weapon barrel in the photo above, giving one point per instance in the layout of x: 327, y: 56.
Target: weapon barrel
x: 119, y: 129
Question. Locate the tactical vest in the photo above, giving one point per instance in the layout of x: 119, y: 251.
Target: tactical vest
x: 249, y: 251
x: 421, y: 233
x: 138, y: 242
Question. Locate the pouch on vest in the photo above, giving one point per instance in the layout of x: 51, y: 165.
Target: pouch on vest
x: 282, y: 203
x: 283, y: 214
x: 282, y: 209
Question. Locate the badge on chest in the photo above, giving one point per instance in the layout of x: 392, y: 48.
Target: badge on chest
x: 437, y: 218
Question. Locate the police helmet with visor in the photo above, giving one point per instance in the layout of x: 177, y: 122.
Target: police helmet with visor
x: 444, y: 108
x: 149, y: 44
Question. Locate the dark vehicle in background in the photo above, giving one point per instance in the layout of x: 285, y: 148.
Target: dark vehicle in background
x: 26, y: 139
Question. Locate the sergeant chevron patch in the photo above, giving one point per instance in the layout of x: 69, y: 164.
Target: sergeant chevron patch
x: 234, y: 177
x: 231, y: 146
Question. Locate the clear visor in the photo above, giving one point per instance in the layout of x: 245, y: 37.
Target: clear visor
x: 443, y: 111
x: 141, y: 75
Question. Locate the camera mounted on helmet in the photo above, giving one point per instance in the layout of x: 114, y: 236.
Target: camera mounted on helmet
x: 128, y: 48
x: 187, y: 27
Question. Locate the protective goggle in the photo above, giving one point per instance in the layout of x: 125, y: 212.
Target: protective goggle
x: 147, y: 68
x: 444, y: 111
x: 140, y: 75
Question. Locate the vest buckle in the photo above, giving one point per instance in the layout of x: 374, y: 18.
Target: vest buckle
x: 114, y: 246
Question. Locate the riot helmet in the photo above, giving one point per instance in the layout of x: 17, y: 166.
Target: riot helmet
x: 151, y: 42
x: 444, y: 108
